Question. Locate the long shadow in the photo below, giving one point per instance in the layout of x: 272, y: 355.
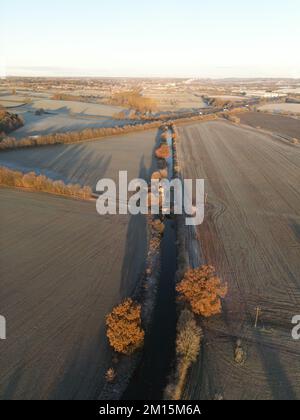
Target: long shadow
x: 61, y: 163
x: 84, y: 372
x: 296, y: 229
x: 136, y: 241
x: 8, y: 392
x: 276, y: 375
x: 83, y: 375
x: 135, y: 248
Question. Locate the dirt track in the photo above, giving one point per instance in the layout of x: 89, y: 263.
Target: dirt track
x: 251, y: 235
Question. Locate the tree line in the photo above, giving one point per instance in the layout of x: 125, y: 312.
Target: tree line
x: 96, y: 133
x: 41, y: 183
x: 74, y: 136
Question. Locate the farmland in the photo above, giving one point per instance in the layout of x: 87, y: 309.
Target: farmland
x: 63, y: 268
x: 175, y: 100
x: 251, y: 235
x: 282, y: 108
x: 57, y: 116
x: 88, y: 162
x: 279, y: 124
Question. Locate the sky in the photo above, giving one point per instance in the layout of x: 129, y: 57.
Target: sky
x: 157, y: 38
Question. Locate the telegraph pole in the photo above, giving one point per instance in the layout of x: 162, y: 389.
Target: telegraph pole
x: 258, y: 311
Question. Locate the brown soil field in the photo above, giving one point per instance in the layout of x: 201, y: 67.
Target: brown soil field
x: 279, y: 124
x: 251, y: 235
x: 87, y: 162
x: 63, y: 268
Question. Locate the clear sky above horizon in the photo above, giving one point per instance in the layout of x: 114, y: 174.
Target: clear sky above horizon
x: 191, y: 38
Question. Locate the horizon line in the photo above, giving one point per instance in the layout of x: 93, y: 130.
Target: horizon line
x: 9, y: 76
x: 229, y: 73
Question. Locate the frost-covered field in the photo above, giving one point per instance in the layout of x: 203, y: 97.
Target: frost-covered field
x: 74, y: 107
x: 10, y: 101
x: 59, y: 116
x: 58, y: 123
x: 87, y: 162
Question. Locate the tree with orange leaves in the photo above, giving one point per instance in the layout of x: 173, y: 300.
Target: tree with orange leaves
x: 163, y: 152
x: 203, y: 290
x: 124, y: 327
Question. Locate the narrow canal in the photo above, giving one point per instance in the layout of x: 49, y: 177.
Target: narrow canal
x: 151, y: 377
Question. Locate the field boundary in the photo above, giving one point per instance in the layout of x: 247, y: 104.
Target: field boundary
x: 66, y: 196
x: 33, y: 182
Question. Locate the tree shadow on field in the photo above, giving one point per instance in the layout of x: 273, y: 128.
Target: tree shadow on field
x: 276, y: 374
x: 84, y: 371
x: 136, y: 247
x: 8, y: 391
x: 83, y: 374
x: 76, y: 163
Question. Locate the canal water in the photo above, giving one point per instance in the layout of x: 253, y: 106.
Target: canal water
x: 151, y: 376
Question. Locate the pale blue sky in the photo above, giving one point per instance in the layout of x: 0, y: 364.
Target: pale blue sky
x: 188, y: 38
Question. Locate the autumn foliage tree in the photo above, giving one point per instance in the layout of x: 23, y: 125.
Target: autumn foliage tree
x: 163, y: 152
x: 135, y: 100
x: 124, y: 330
x: 9, y: 122
x: 203, y: 290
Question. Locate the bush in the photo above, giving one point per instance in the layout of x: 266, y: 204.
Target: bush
x: 156, y: 176
x: 159, y: 175
x: 233, y: 118
x: 188, y: 344
x: 39, y: 112
x: 124, y: 330
x: 202, y: 289
x: 163, y: 152
x: 110, y: 375
x: 9, y: 122
x: 188, y: 337
x: 158, y: 226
